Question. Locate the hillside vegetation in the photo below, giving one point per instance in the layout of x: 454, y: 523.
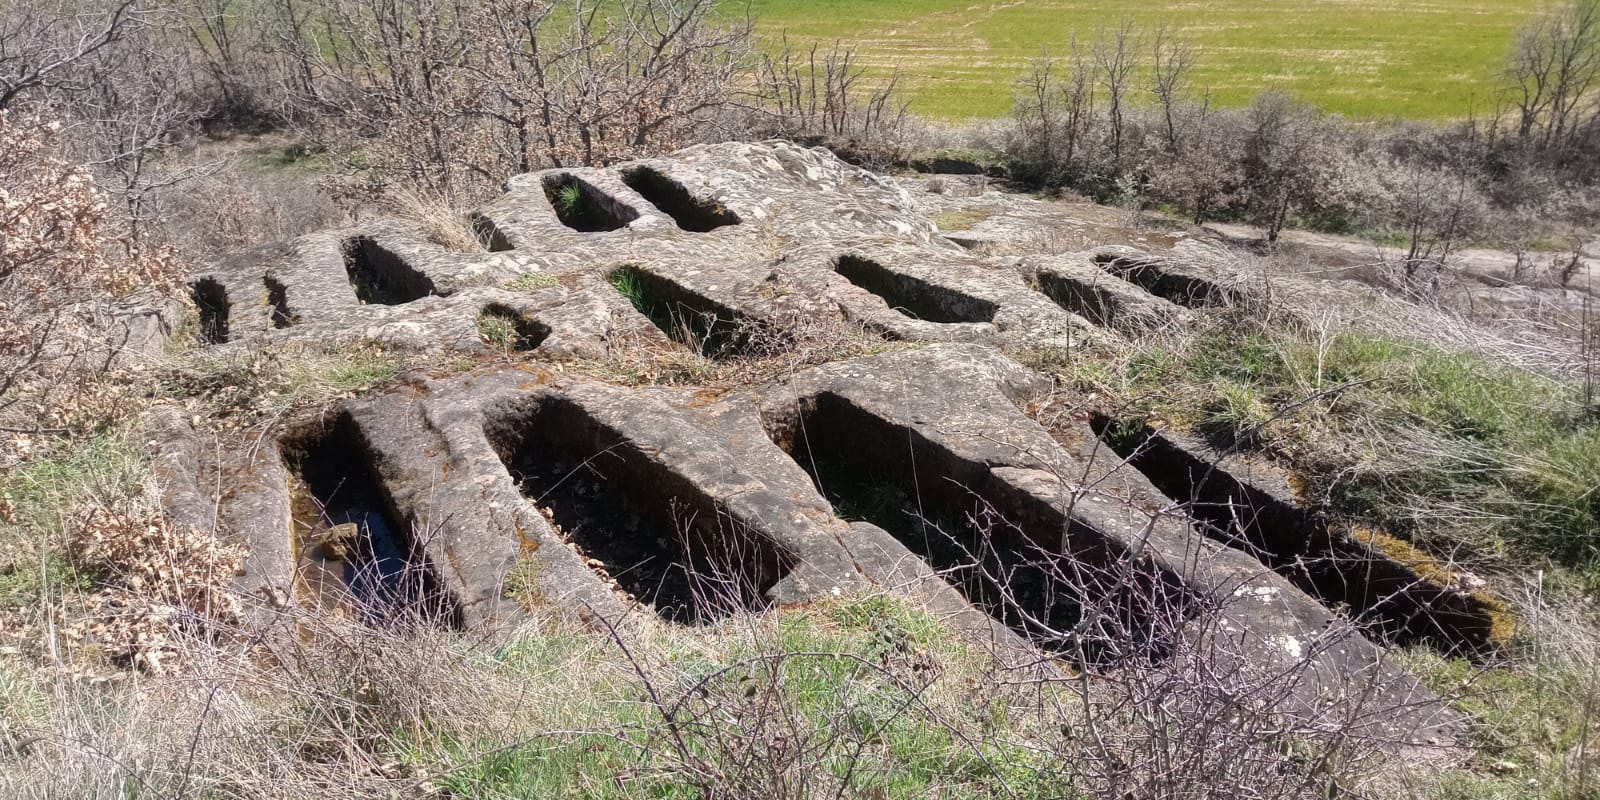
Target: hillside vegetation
x: 1453, y: 414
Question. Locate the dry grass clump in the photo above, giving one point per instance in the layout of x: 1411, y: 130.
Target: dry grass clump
x: 1535, y: 714
x: 764, y: 351
x: 321, y: 707
x: 858, y: 696
x: 435, y: 216
x: 237, y: 390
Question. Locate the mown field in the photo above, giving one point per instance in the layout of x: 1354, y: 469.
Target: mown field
x: 1424, y: 59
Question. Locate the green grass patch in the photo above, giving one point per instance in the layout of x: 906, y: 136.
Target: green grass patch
x: 1533, y: 726
x: 630, y: 285
x: 497, y: 329
x: 294, y: 159
x: 1388, y: 428
x: 1408, y: 59
x: 833, y: 695
x: 40, y: 496
x: 361, y: 371
x: 530, y: 281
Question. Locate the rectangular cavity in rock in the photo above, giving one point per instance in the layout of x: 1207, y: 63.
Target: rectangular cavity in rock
x: 502, y: 325
x: 489, y: 234
x: 278, y: 303
x: 1380, y: 592
x: 691, y: 318
x: 1014, y: 556
x: 635, y: 520
x: 380, y: 277
x: 1154, y: 277
x: 353, y: 548
x: 582, y: 207
x: 211, y: 300
x: 915, y: 297
x: 694, y: 214
x: 1094, y: 303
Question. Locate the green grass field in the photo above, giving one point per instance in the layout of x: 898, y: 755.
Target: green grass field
x: 1423, y: 59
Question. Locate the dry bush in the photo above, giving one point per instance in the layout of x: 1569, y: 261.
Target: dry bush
x: 62, y: 252
x: 233, y: 207
x: 159, y: 584
x: 454, y: 97
x: 322, y: 707
x: 825, y: 95
x: 43, y: 41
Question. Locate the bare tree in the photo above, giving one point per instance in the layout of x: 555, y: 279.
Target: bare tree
x: 244, y: 57
x: 42, y: 40
x: 454, y: 96
x: 1553, y: 72
x: 132, y: 110
x: 810, y: 95
x: 1055, y: 110
x: 1116, y: 58
x: 1174, y: 60
x: 1286, y: 153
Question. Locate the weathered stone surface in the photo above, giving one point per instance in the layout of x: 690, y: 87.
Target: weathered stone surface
x: 912, y: 471
x: 1249, y: 504
x: 1190, y: 275
x: 772, y: 232
x: 443, y: 452
x: 1079, y: 284
x: 1267, y: 625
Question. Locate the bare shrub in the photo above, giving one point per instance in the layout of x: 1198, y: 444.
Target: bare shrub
x: 1436, y: 210
x: 1205, y: 177
x: 43, y: 41
x: 132, y: 120
x: 232, y: 206
x: 60, y: 253
x: 1172, y: 71
x: 160, y: 583
x: 454, y: 97
x: 1287, y: 152
x: 242, y: 67
x: 1055, y: 112
x: 824, y: 94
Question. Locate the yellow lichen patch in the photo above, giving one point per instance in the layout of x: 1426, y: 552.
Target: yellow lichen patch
x: 1406, y: 554
x: 1299, y: 485
x: 1502, y: 622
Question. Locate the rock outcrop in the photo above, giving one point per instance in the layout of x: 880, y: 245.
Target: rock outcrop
x: 913, y: 470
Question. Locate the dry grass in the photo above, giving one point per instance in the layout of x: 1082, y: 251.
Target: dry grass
x: 863, y: 695
x: 434, y: 216
x: 766, y: 351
